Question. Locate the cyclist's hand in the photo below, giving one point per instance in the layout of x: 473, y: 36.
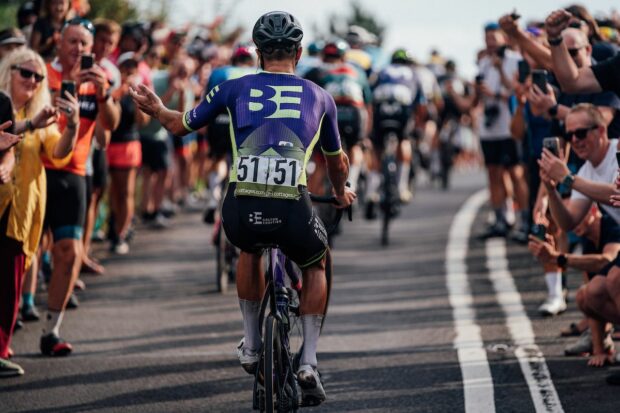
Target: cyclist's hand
x: 147, y: 101
x: 346, y: 199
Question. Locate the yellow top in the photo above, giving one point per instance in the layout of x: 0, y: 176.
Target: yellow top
x: 26, y: 194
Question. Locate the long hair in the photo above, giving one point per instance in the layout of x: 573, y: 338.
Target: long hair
x: 41, y: 95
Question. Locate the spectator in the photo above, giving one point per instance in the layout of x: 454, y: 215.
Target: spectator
x: 599, y: 77
x: 67, y: 204
x: 47, y: 29
x: 10, y: 39
x: 23, y: 198
x: 583, y: 20
x: 602, y: 236
x: 26, y: 18
x: 494, y: 87
x: 124, y: 154
x: 586, y: 130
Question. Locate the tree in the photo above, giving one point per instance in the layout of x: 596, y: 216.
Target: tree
x: 8, y: 13
x: 117, y: 10
x: 359, y: 16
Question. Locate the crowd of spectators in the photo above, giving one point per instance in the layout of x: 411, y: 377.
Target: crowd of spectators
x: 545, y: 106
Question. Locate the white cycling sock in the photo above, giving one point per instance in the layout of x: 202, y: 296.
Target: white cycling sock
x: 374, y: 182
x: 249, y: 311
x: 403, y: 178
x: 312, y: 329
x: 53, y: 320
x: 354, y: 174
x: 554, y: 284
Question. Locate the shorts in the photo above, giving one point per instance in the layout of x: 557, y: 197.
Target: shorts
x: 502, y: 152
x: 253, y: 223
x: 351, y: 124
x: 66, y: 204
x: 609, y: 233
x: 202, y: 141
x: 124, y: 155
x: 219, y: 137
x: 183, y: 145
x: 100, y: 169
x: 390, y: 117
x: 155, y: 153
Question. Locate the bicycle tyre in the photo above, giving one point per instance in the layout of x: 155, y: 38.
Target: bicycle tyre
x: 221, y: 273
x: 269, y: 368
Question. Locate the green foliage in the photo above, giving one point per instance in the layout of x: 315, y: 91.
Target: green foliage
x: 358, y: 16
x: 117, y: 10
x: 8, y: 13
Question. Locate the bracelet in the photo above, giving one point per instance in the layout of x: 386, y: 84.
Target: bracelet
x: 556, y: 41
x: 29, y: 125
x: 562, y: 261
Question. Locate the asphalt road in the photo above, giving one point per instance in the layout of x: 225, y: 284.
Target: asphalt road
x: 152, y: 335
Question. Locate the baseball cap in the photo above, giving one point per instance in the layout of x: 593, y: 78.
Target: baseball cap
x: 11, y: 36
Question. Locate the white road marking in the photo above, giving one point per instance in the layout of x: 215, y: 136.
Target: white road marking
x: 531, y: 359
x: 477, y: 381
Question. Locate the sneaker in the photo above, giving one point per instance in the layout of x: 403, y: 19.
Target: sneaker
x: 312, y: 392
x: 121, y: 248
x: 248, y: 360
x: 552, y: 306
x: 30, y: 313
x: 18, y: 325
x: 583, y: 346
x: 520, y: 235
x: 10, y: 369
x: 73, y: 302
x: 79, y: 285
x: 497, y: 230
x: 160, y: 222
x: 52, y: 345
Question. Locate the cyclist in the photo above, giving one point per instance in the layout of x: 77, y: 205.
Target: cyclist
x: 267, y: 201
x: 349, y: 87
x: 218, y: 134
x: 396, y: 94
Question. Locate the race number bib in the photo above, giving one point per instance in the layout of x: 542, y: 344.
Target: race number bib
x: 266, y: 176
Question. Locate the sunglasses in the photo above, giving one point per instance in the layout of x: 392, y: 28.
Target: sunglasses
x: 580, y: 133
x: 80, y: 21
x: 28, y: 74
x: 577, y: 24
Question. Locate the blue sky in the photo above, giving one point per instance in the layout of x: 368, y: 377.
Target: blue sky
x: 452, y: 26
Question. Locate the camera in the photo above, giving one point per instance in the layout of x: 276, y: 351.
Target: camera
x: 491, y: 114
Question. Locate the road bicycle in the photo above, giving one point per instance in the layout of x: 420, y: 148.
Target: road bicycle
x: 275, y: 379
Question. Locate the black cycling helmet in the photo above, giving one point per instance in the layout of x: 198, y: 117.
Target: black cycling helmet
x: 277, y: 28
x: 402, y: 56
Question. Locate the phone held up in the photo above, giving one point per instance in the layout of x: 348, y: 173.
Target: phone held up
x: 67, y: 86
x: 539, y: 231
x: 539, y: 78
x: 524, y: 70
x: 87, y: 61
x: 553, y: 144
x: 618, y: 157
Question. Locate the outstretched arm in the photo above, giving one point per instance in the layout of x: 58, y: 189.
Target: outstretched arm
x: 149, y: 103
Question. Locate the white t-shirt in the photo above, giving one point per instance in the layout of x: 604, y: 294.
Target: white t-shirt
x: 605, y: 172
x: 500, y: 127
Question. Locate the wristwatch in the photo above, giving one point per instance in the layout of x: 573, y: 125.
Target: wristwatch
x: 562, y: 261
x: 556, y: 41
x: 553, y: 111
x: 568, y: 181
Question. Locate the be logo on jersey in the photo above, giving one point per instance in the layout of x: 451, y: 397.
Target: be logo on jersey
x: 276, y: 102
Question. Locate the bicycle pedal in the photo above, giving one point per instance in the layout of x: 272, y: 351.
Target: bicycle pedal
x: 310, y: 401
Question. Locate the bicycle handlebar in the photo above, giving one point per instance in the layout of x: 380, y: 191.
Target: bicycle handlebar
x: 330, y: 199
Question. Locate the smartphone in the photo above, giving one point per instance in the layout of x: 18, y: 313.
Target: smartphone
x: 479, y: 79
x: 553, y: 144
x: 539, y: 78
x: 539, y: 231
x: 515, y: 15
x: 87, y: 61
x: 618, y: 157
x: 68, y: 86
x: 524, y: 70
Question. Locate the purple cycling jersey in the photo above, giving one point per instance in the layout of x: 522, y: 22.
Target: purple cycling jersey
x: 276, y: 120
